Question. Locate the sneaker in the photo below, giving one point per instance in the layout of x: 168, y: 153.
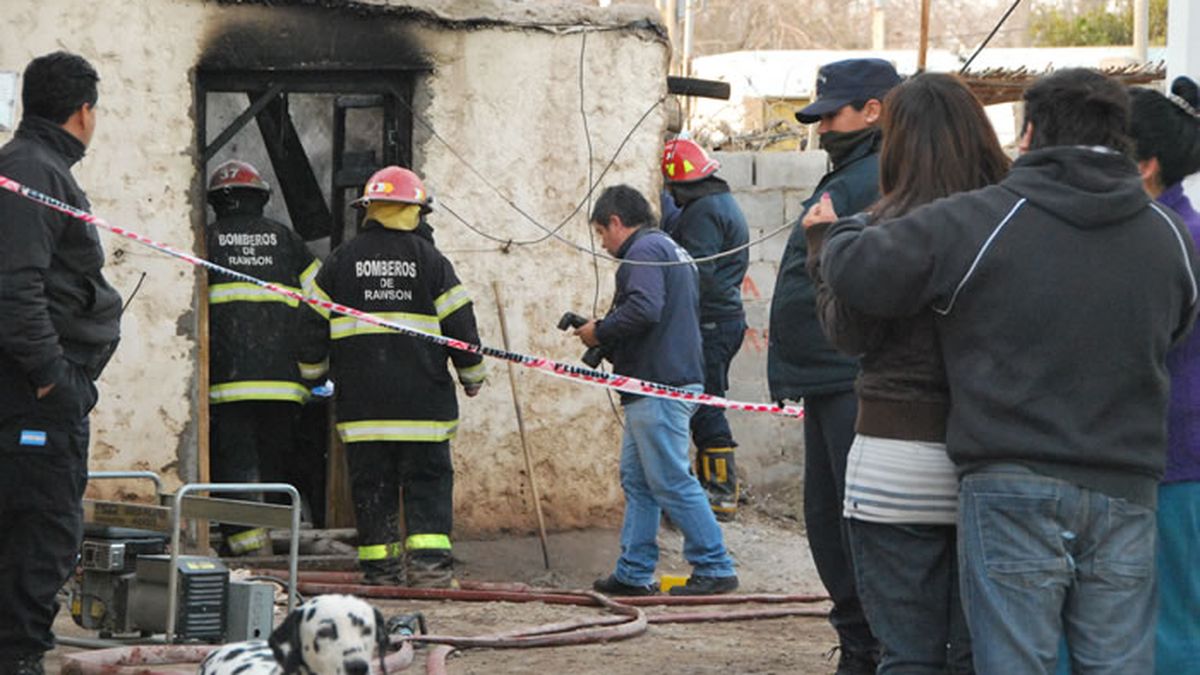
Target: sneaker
x: 702, y: 585
x: 611, y: 585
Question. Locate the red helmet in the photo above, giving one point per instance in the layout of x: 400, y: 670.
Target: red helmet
x: 236, y: 174
x: 684, y: 161
x: 394, y: 184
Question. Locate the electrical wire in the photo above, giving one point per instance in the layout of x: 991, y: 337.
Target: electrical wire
x: 988, y: 39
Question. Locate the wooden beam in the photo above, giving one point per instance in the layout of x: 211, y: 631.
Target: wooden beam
x: 924, y: 47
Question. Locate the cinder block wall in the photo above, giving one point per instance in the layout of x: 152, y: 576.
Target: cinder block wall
x: 770, y: 187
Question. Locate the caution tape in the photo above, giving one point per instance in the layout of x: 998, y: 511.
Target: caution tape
x: 622, y: 383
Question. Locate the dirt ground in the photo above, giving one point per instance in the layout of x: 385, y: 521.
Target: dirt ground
x: 772, y: 556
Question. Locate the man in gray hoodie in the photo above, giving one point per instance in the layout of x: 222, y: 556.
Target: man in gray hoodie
x: 1058, y: 293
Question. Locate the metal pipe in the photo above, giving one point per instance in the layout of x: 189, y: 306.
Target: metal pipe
x: 114, y: 475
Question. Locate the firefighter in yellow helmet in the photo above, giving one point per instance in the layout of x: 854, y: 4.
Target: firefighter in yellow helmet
x: 256, y: 369
x: 395, y: 397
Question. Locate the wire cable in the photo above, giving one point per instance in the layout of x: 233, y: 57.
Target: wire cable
x: 988, y: 39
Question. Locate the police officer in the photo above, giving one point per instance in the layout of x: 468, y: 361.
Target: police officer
x: 60, y: 324
x: 256, y: 338
x: 395, y: 398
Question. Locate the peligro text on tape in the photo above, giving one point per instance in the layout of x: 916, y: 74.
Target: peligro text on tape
x: 624, y: 383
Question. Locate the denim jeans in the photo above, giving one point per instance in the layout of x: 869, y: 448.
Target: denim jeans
x: 721, y: 341
x: 655, y: 477
x: 908, y: 583
x: 828, y: 434
x: 1039, y: 557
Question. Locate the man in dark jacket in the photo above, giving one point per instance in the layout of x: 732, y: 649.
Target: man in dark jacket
x: 396, y: 406
x: 711, y: 223
x: 60, y: 325
x: 801, y: 364
x: 256, y: 337
x: 1059, y: 292
x: 653, y: 332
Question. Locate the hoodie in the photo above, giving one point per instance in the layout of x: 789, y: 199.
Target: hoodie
x: 1058, y: 293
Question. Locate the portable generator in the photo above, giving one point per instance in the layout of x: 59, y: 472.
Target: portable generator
x: 121, y: 590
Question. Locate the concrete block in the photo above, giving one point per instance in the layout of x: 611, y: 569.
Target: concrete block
x: 737, y: 168
x: 789, y: 169
x: 778, y: 169
x: 759, y: 283
x: 793, y: 202
x: 762, y: 208
x: 771, y: 250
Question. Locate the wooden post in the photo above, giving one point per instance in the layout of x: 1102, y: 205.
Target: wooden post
x: 512, y: 382
x: 924, y: 47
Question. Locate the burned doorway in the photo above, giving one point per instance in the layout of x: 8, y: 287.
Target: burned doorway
x: 316, y: 135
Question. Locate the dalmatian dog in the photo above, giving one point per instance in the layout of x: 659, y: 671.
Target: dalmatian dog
x: 328, y: 635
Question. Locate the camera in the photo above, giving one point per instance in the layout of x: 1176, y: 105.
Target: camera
x: 594, y: 355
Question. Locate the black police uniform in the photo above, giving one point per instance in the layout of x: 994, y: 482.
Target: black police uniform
x: 60, y: 324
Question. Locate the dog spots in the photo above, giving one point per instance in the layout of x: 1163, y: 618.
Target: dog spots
x: 357, y: 620
x: 242, y: 668
x: 312, y: 611
x: 234, y: 653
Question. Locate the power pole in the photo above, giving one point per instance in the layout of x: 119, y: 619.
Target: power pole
x: 878, y: 25
x: 1141, y: 29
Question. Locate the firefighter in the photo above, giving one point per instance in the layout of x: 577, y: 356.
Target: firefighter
x: 256, y: 339
x: 394, y: 396
x: 710, y: 222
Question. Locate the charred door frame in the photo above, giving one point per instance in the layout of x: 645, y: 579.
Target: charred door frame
x: 267, y: 89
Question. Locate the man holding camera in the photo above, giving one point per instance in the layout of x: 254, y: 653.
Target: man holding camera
x: 654, y: 334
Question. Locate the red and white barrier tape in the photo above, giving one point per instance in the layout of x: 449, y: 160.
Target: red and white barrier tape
x: 630, y: 385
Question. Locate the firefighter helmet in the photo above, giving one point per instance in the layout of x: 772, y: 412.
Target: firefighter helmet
x: 394, y: 184
x: 684, y: 161
x: 236, y: 174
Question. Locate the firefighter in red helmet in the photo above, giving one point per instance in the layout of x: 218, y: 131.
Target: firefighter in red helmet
x: 256, y: 341
x: 710, y: 223
x: 395, y: 398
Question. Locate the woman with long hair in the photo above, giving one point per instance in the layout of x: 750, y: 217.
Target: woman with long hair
x: 1166, y: 132
x: 901, y: 488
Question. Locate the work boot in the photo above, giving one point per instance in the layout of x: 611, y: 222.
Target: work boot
x: 24, y: 665
x: 718, y: 475
x: 430, y: 569
x: 386, y: 572
x: 611, y: 585
x: 702, y: 585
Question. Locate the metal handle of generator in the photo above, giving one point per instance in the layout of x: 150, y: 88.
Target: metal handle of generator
x: 115, y: 475
x: 177, y: 516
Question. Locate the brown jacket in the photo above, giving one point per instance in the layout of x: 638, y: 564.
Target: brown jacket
x: 901, y: 386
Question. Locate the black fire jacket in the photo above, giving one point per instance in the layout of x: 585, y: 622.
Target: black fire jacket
x: 391, y: 386
x: 258, y: 337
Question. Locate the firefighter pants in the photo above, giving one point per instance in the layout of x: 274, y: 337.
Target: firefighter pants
x: 378, y: 472
x: 43, y: 472
x: 251, y: 442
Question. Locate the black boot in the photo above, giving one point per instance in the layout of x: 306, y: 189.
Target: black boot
x: 718, y: 475
x: 701, y: 585
x: 611, y: 585
x: 386, y: 572
x: 430, y: 569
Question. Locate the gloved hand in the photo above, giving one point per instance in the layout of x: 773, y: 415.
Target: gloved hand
x: 472, y: 389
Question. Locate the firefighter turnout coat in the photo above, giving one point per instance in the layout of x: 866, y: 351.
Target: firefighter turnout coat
x: 391, y: 386
x: 257, y: 336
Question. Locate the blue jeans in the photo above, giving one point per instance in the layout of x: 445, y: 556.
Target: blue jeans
x: 655, y: 477
x: 907, y: 576
x: 1040, y: 557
